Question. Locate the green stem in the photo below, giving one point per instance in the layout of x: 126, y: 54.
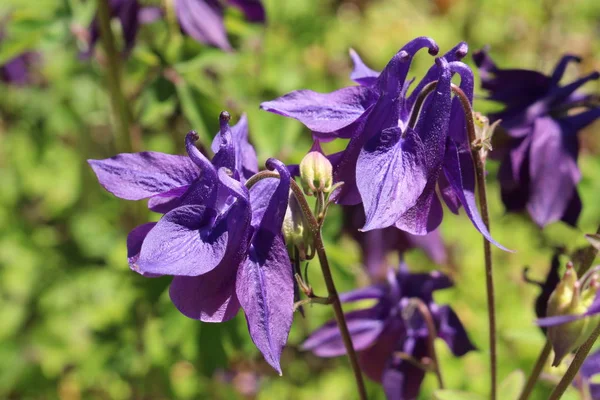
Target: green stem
x: 119, y: 103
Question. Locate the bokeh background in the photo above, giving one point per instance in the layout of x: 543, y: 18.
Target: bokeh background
x: 76, y: 323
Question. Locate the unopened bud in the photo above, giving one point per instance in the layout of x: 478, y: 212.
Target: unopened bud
x: 316, y: 173
x: 572, y: 297
x: 295, y: 229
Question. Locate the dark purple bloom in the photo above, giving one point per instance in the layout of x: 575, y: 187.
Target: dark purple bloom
x: 589, y: 369
x: 539, y: 170
x: 17, y: 70
x: 548, y: 286
x: 393, y: 168
x: 130, y: 14
x: 203, y: 19
x: 378, y: 244
x: 392, y: 326
x: 220, y: 241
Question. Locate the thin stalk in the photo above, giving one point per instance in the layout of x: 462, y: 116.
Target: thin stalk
x: 580, y: 357
x: 584, y: 266
x: 483, y: 204
x: 432, y: 334
x: 329, y: 283
x: 119, y: 103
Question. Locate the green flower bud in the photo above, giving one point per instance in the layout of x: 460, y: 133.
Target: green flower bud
x: 571, y: 297
x: 295, y: 228
x: 316, y: 173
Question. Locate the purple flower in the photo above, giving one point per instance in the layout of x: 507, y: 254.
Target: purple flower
x: 130, y: 14
x: 589, y: 369
x: 221, y: 242
x: 393, y: 168
x: 539, y: 170
x: 203, y: 19
x: 548, y: 286
x: 17, y: 70
x: 394, y: 327
x: 378, y: 244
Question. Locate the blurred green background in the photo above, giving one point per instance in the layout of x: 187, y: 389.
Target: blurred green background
x: 76, y: 323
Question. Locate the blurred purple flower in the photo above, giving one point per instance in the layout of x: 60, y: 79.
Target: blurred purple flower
x: 221, y: 242
x: 203, y: 19
x: 589, y: 369
x: 378, y: 244
x: 131, y: 15
x: 17, y: 70
x: 393, y: 326
x: 548, y: 286
x: 539, y: 170
x: 390, y: 167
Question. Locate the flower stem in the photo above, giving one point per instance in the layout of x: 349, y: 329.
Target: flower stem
x: 119, y: 103
x: 580, y: 357
x: 329, y: 283
x: 432, y: 334
x: 584, y: 266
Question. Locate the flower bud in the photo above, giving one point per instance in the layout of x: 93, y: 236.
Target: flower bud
x: 571, y: 298
x: 316, y: 173
x: 295, y: 229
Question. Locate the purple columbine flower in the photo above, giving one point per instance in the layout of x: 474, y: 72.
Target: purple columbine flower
x: 392, y: 328
x: 221, y: 242
x: 378, y: 244
x: 589, y: 369
x: 203, y: 19
x: 393, y: 168
x: 131, y: 15
x: 539, y: 170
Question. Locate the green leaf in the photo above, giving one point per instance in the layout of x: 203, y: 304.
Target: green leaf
x: 456, y: 395
x: 512, y: 386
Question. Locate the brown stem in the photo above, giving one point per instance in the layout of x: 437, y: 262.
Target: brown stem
x: 119, y: 103
x: 432, y: 335
x: 329, y: 283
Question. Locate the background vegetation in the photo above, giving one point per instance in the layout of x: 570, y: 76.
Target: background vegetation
x: 75, y: 322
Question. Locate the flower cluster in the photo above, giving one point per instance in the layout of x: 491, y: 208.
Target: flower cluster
x: 397, y: 155
x: 221, y: 242
x: 392, y: 336
x: 539, y: 156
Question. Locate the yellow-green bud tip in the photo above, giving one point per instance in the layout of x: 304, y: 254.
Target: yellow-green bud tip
x: 316, y: 173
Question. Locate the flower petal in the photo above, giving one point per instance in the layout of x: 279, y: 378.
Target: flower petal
x: 265, y: 289
x: 184, y: 242
x: 362, y: 74
x: 554, y: 173
x: 401, y: 378
x: 252, y: 9
x: 390, y: 176
x: 460, y: 173
x: 366, y: 293
x: 323, y: 112
x: 364, y: 328
x: 203, y: 21
x: 451, y: 330
x: 141, y: 175
x: 246, y: 163
x: 135, y: 239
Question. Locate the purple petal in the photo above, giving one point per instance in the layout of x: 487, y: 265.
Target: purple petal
x: 246, y: 163
x: 135, y: 239
x: 127, y: 12
x: 364, y: 328
x: 362, y: 74
x: 265, y: 289
x: 165, y: 202
x: 366, y: 293
x: 425, y: 216
x: 574, y: 123
x: 323, y: 112
x: 450, y: 199
x: 402, y: 379
x: 591, y: 365
x: 186, y: 241
x: 210, y: 297
x: 460, y: 172
x: 147, y: 15
x: 451, y: 330
x: 554, y: 173
x: 141, y: 175
x: 252, y: 9
x: 561, y: 66
x: 374, y: 358
x: 390, y: 176
x: 272, y: 220
x: 203, y: 21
